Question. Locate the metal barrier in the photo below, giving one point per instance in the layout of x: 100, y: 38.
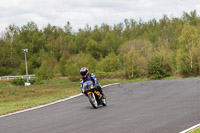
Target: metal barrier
x: 19, y: 76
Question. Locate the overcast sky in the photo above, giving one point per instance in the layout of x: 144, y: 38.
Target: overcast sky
x: 91, y: 12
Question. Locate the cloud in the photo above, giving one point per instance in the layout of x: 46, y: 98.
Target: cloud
x: 92, y: 12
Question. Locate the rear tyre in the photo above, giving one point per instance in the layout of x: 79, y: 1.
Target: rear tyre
x: 103, y: 100
x: 93, y: 100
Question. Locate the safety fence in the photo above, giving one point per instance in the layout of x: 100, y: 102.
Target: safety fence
x: 14, y: 77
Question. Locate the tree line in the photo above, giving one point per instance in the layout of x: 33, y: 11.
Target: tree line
x: 131, y: 49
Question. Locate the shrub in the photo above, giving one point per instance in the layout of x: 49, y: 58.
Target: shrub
x: 157, y: 69
x: 32, y: 81
x: 5, y: 71
x: 18, y: 81
x: 46, y: 71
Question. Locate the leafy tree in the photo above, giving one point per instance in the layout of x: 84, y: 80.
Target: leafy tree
x: 192, y: 18
x: 68, y: 28
x: 175, y: 30
x: 59, y: 44
x: 188, y: 40
x: 183, y: 62
x: 93, y: 49
x: 10, y: 56
x: 47, y: 68
x: 110, y: 43
x: 63, y: 62
x: 50, y: 35
x: 22, y: 68
x: 29, y: 37
x: 132, y: 63
x: 118, y: 29
x: 161, y: 61
x: 110, y: 63
x: 144, y: 49
x: 45, y: 71
x: 80, y: 41
x: 127, y: 31
x: 74, y: 64
x: 151, y: 31
x: 135, y: 56
x: 5, y: 71
x: 196, y: 59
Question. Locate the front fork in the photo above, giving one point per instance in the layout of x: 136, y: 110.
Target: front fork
x: 96, y: 92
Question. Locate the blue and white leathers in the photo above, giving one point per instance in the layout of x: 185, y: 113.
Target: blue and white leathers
x: 90, y: 77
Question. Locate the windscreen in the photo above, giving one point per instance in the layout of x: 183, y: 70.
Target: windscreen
x: 87, y: 85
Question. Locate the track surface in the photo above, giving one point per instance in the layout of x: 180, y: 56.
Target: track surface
x: 167, y: 106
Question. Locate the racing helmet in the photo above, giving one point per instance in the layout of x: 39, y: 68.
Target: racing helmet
x: 83, y: 71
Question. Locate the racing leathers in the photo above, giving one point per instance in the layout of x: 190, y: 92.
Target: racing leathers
x: 91, y: 77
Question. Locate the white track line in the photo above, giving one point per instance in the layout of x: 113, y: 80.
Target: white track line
x: 45, y: 105
x: 189, y: 129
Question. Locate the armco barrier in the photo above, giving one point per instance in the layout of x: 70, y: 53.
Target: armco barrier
x: 19, y: 76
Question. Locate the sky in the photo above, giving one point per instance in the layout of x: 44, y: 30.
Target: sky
x: 91, y: 12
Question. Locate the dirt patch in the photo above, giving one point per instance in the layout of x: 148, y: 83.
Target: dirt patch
x: 60, y: 78
x: 4, y: 80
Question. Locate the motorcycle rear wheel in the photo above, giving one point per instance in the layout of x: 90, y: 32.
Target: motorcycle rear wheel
x: 104, y: 102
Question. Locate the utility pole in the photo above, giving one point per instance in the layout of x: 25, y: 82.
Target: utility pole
x: 26, y: 83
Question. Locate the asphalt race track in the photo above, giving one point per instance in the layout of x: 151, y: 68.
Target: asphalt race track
x: 165, y: 106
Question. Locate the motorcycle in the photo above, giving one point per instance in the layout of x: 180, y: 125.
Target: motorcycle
x: 93, y: 95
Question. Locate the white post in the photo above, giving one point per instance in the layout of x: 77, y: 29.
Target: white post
x: 26, y: 83
x: 26, y: 68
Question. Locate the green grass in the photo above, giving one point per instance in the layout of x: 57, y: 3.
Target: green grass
x: 6, y: 85
x: 197, y: 130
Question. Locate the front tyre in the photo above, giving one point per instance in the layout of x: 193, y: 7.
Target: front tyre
x: 93, y: 100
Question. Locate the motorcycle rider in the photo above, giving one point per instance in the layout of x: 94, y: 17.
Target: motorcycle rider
x: 86, y: 76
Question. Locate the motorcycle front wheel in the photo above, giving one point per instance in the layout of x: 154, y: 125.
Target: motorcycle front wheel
x: 93, y: 100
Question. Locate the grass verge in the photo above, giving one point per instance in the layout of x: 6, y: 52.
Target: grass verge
x: 13, y: 98
x: 196, y: 130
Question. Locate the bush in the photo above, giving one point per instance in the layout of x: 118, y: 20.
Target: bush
x: 5, y: 71
x: 32, y: 81
x: 157, y: 70
x: 46, y: 71
x: 18, y: 81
